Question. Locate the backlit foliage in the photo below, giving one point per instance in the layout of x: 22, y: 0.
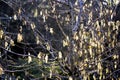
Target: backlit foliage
x: 59, y: 40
